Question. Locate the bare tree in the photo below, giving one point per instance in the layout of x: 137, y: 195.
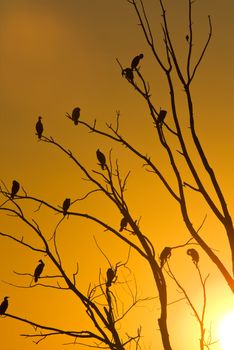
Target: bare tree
x: 101, y: 302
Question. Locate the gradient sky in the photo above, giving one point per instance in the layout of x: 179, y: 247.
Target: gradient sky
x: 55, y: 55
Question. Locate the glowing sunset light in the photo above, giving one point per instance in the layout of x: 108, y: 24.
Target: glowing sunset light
x: 116, y: 182
x: 226, y: 333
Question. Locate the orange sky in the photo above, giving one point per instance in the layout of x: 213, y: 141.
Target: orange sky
x: 55, y: 55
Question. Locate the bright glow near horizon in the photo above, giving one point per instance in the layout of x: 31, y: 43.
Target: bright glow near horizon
x: 226, y: 331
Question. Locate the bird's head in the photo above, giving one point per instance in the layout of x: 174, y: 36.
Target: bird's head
x: 39, y: 117
x: 6, y: 298
x: 40, y: 261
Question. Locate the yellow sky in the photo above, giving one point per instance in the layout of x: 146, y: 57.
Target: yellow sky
x: 55, y: 55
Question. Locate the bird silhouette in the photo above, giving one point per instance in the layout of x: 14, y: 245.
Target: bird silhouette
x: 66, y: 205
x: 101, y: 158
x: 165, y: 255
x: 15, y: 188
x: 123, y: 223
x: 110, y: 275
x: 38, y: 270
x: 161, y: 116
x: 128, y: 74
x: 76, y: 115
x: 136, y: 61
x: 194, y: 255
x: 39, y: 127
x: 4, y: 306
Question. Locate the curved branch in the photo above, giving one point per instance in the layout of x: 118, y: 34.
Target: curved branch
x: 203, y: 52
x: 22, y: 242
x: 71, y: 333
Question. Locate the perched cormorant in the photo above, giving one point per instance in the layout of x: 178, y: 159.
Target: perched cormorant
x: 165, y: 255
x: 4, y: 306
x: 136, y: 61
x: 194, y: 255
x: 110, y: 275
x: 101, y: 158
x: 66, y: 205
x: 38, y: 270
x: 15, y: 188
x: 76, y: 115
x: 123, y: 223
x: 39, y: 127
x: 161, y: 116
x: 128, y: 74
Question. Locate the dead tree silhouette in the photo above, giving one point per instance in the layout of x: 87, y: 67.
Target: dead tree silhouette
x: 167, y: 163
